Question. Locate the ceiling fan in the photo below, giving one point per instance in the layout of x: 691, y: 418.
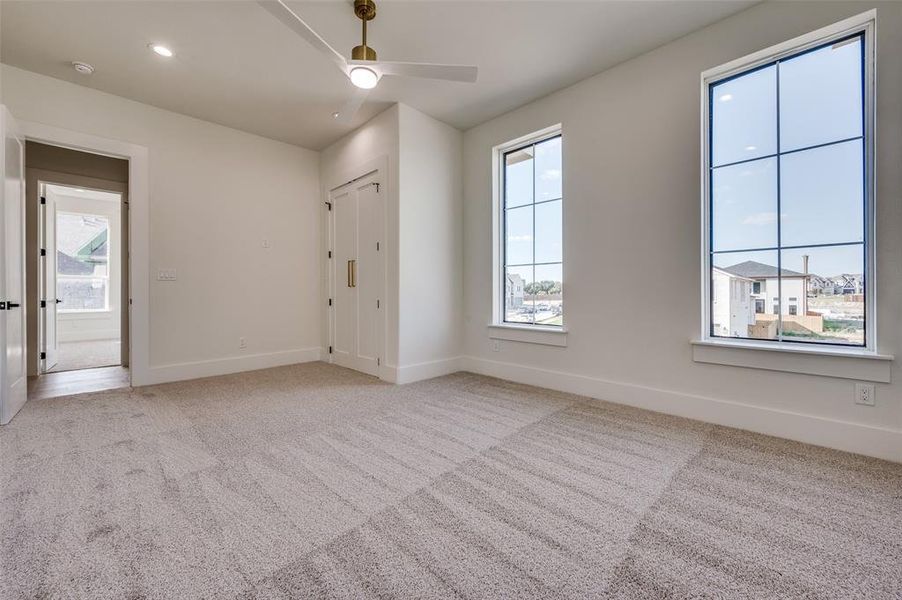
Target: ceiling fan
x: 364, y: 70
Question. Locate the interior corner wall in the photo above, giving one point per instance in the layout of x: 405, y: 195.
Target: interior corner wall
x: 632, y: 238
x: 374, y: 143
x: 431, y: 246
x: 424, y: 234
x: 215, y: 195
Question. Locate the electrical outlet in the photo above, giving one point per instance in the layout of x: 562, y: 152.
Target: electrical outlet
x: 266, y: 244
x: 865, y: 394
x: 242, y: 343
x: 496, y: 345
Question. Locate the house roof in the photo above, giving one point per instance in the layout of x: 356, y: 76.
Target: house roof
x: 756, y: 270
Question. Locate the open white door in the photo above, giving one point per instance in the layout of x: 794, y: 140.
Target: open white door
x: 49, y: 301
x: 13, y: 374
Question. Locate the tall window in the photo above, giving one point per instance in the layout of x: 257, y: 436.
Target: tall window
x: 532, y: 233
x: 788, y: 195
x: 83, y: 262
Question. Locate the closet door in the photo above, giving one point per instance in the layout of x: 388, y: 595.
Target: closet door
x: 357, y: 275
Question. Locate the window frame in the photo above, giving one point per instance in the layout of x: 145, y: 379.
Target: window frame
x: 545, y: 333
x: 862, y: 24
x: 107, y: 278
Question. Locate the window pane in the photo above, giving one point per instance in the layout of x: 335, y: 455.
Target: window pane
x: 822, y: 197
x: 518, y: 236
x: 81, y: 294
x: 744, y: 206
x: 518, y: 177
x: 830, y: 300
x: 744, y: 117
x: 549, y: 232
x: 744, y: 289
x: 548, y: 170
x: 518, y: 305
x: 82, y: 244
x: 821, y: 96
x: 548, y: 293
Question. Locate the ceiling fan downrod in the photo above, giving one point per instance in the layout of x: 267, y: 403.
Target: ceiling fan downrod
x: 365, y: 11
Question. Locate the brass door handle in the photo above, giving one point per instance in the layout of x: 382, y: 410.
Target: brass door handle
x: 352, y: 273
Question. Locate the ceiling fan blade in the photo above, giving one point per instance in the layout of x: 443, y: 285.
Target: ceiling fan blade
x: 429, y: 71
x: 349, y: 110
x: 288, y: 17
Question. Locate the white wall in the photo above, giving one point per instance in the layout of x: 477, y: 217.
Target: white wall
x: 215, y: 195
x: 631, y: 241
x: 431, y: 245
x: 95, y: 325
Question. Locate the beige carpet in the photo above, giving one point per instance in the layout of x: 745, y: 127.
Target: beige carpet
x: 313, y: 481
x: 87, y: 355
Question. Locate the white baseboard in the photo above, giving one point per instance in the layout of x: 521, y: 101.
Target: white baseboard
x: 842, y: 435
x: 420, y: 371
x: 225, y: 366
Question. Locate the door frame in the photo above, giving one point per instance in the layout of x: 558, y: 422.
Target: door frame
x: 379, y: 167
x: 137, y: 264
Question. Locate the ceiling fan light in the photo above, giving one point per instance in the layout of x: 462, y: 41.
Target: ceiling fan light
x: 364, y: 78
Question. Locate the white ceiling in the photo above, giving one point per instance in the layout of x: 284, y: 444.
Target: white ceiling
x: 236, y: 65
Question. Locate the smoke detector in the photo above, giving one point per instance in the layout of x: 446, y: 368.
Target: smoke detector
x: 82, y: 67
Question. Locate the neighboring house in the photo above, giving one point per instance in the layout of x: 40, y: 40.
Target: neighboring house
x: 767, y: 287
x: 731, y: 304
x: 848, y: 284
x: 820, y: 286
x: 513, y: 290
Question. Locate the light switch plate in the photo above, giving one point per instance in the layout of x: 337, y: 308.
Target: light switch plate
x: 167, y: 275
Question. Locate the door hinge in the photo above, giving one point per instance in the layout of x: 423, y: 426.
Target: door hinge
x: 43, y: 304
x: 377, y: 303
x: 377, y: 187
x: 377, y: 246
x: 378, y: 362
x: 329, y: 205
x: 330, y: 301
x: 43, y: 356
x: 43, y: 251
x: 330, y: 349
x: 43, y: 200
x: 330, y: 254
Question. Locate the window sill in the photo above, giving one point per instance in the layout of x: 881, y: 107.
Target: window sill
x: 844, y: 363
x: 530, y: 334
x: 84, y: 314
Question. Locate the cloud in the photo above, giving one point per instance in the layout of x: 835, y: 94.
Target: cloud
x: 549, y: 174
x: 762, y: 218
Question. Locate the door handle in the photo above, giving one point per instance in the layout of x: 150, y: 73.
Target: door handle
x: 12, y: 305
x: 352, y: 273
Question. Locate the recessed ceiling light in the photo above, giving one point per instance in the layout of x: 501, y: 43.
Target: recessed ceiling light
x: 336, y: 114
x: 161, y: 50
x: 726, y: 97
x: 82, y: 67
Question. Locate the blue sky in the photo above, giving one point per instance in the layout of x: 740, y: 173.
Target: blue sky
x: 821, y: 189
x: 542, y: 174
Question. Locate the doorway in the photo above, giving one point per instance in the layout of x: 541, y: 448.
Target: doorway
x: 81, y: 278
x: 357, y: 274
x: 77, y: 253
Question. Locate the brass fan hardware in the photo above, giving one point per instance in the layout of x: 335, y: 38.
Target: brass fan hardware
x: 365, y: 11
